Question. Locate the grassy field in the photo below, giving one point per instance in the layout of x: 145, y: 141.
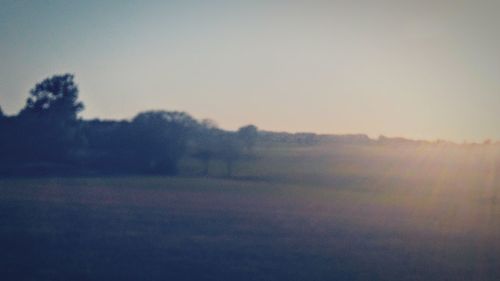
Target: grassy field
x: 326, y: 212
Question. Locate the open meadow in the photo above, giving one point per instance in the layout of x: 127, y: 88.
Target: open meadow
x: 323, y: 212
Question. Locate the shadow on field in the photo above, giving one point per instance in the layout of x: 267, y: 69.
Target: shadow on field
x: 206, y: 229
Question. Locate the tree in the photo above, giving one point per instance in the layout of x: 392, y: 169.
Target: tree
x: 48, y: 124
x: 107, y: 146
x: 159, y: 140
x: 56, y: 96
x: 206, y: 143
x: 230, y: 149
x: 248, y: 135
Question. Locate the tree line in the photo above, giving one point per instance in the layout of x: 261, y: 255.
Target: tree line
x: 48, y: 137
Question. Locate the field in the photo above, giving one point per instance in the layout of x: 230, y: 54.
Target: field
x: 326, y: 212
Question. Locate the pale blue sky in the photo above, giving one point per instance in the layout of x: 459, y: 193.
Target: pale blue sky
x: 419, y: 69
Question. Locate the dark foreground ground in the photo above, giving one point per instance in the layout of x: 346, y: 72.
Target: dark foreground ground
x: 153, y: 228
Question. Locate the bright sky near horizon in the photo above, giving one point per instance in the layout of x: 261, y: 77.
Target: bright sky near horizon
x: 417, y: 69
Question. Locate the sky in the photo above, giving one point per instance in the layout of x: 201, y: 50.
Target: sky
x: 415, y: 69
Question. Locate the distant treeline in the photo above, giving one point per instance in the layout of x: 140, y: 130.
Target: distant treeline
x: 47, y: 137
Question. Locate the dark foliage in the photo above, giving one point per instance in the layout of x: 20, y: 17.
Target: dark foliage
x: 248, y: 136
x: 47, y: 138
x: 47, y: 129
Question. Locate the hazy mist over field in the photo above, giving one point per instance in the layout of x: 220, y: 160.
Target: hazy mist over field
x: 250, y: 140
x: 322, y: 212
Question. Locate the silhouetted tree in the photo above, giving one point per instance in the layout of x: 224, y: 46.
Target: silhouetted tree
x: 206, y: 143
x: 209, y: 124
x: 3, y: 134
x: 56, y: 97
x: 107, y: 146
x: 46, y: 129
x: 47, y: 135
x: 230, y: 150
x: 159, y: 139
x: 248, y: 135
